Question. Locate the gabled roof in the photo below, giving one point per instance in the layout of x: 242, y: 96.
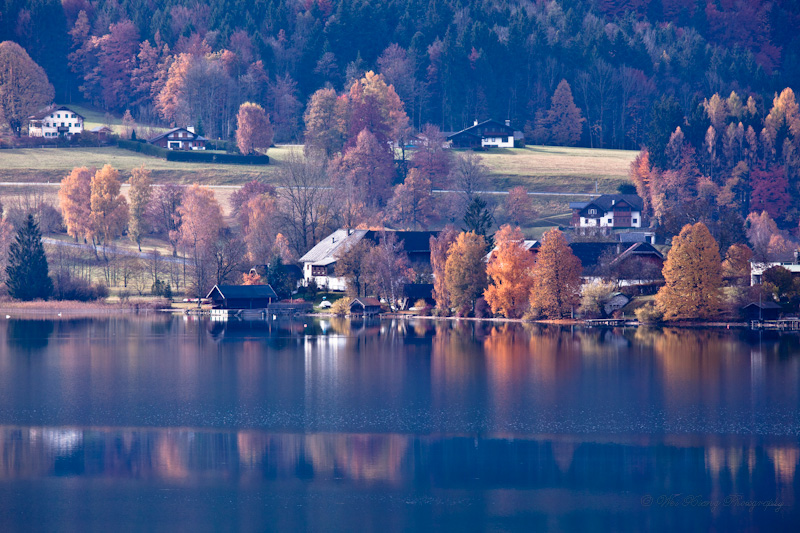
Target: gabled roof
x: 195, y: 137
x: 52, y: 109
x: 366, y: 302
x: 412, y: 241
x: 589, y: 253
x: 527, y: 244
x: 763, y: 305
x: 639, y: 248
x: 606, y: 202
x: 99, y: 129
x: 472, y: 130
x: 243, y: 291
x: 328, y: 247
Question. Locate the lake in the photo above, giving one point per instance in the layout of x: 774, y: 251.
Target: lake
x: 180, y: 423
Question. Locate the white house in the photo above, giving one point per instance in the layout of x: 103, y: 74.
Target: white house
x: 486, y: 134
x: 55, y: 121
x: 609, y: 211
x: 180, y: 139
x: 758, y: 268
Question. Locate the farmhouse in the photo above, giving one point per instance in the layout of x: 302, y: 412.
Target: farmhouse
x: 606, y: 212
x: 241, y: 296
x: 319, y: 263
x: 486, y: 134
x: 180, y: 139
x: 56, y: 121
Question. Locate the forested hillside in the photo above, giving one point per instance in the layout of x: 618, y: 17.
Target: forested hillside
x: 450, y: 61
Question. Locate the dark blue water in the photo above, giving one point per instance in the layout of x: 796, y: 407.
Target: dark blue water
x: 178, y: 424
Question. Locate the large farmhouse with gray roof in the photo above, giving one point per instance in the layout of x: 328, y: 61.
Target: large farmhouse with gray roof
x: 319, y: 263
x: 609, y: 211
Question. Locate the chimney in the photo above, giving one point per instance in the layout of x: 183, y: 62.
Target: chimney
x: 508, y: 122
x: 190, y: 129
x: 476, y: 122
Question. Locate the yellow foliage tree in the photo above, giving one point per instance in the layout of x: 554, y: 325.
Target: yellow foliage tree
x: 465, y: 271
x: 140, y: 193
x: 557, y: 278
x: 692, y: 276
x: 510, y: 270
x: 737, y: 262
x: 109, y: 213
x: 74, y: 198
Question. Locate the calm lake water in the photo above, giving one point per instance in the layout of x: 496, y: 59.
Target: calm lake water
x: 174, y: 423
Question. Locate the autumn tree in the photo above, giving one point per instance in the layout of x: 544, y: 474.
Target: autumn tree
x: 564, y: 121
x: 140, y: 193
x: 388, y: 267
x: 201, y: 224
x: 760, y: 230
x: 469, y: 175
x: 27, y: 271
x: 692, y: 276
x: 368, y: 168
x: 373, y: 105
x: 75, y: 200
x: 519, y: 206
x: 557, y: 277
x: 736, y: 265
x: 440, y: 247
x: 305, y: 206
x: 253, y: 188
x: 510, y: 271
x: 254, y: 132
x: 412, y: 205
x: 431, y: 159
x: 352, y: 264
x: 24, y: 88
x: 324, y: 119
x: 164, y: 213
x: 465, y: 271
x: 109, y: 213
x: 260, y: 231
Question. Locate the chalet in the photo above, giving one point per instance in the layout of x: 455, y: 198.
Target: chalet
x: 607, y: 212
x: 319, y: 263
x: 180, y: 139
x: 486, y: 134
x: 56, y: 121
x: 757, y: 269
x: 241, y: 296
x: 365, y: 306
x: 640, y: 258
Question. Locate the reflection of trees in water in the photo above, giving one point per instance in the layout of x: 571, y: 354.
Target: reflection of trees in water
x: 183, y: 456
x: 29, y: 335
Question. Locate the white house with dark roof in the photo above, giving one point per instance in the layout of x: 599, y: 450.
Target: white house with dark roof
x: 612, y: 211
x: 486, y: 134
x: 55, y: 121
x: 180, y: 139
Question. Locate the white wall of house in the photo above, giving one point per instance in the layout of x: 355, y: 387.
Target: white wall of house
x: 607, y: 220
x: 331, y: 283
x: 757, y: 269
x: 48, y: 126
x: 181, y: 140
x: 498, y: 142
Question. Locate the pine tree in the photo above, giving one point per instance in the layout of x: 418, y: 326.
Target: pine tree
x: 692, y: 276
x: 27, y: 269
x: 479, y: 219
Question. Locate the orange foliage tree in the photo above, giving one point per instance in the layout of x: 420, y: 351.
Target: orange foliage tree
x: 259, y: 233
x: 109, y: 214
x: 510, y: 270
x: 251, y: 278
x: 254, y: 132
x: 201, y: 223
x: 465, y: 271
x: 74, y: 198
x: 737, y: 262
x: 440, y: 246
x: 140, y: 193
x: 519, y: 206
x: 692, y: 276
x: 557, y: 278
x: 411, y: 205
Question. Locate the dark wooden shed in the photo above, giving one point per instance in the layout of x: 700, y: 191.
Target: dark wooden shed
x: 241, y: 296
x: 365, y: 306
x: 762, y: 311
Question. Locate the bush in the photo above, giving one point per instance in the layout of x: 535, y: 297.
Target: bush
x: 648, y: 314
x: 203, y: 156
x: 143, y: 148
x: 68, y: 287
x: 161, y: 288
x: 341, y: 307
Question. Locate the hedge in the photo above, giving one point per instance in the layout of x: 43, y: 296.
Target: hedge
x: 193, y: 156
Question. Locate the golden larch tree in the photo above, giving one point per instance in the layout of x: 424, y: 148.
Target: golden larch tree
x: 109, y: 208
x: 510, y: 271
x: 440, y: 246
x: 465, y: 271
x: 736, y: 265
x: 692, y: 276
x: 557, y: 278
x: 140, y: 194
x: 24, y: 87
x: 74, y: 198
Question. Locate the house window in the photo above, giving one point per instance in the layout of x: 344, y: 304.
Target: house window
x: 635, y: 221
x: 592, y: 211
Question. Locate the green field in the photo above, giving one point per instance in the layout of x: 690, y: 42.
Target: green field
x: 44, y: 165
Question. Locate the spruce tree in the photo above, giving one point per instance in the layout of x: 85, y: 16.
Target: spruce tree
x: 27, y: 269
x: 479, y: 220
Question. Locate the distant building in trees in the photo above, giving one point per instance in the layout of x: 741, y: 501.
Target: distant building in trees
x: 319, y: 263
x: 607, y: 212
x: 55, y: 121
x: 486, y: 134
x: 757, y: 268
x: 241, y: 296
x: 180, y: 139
